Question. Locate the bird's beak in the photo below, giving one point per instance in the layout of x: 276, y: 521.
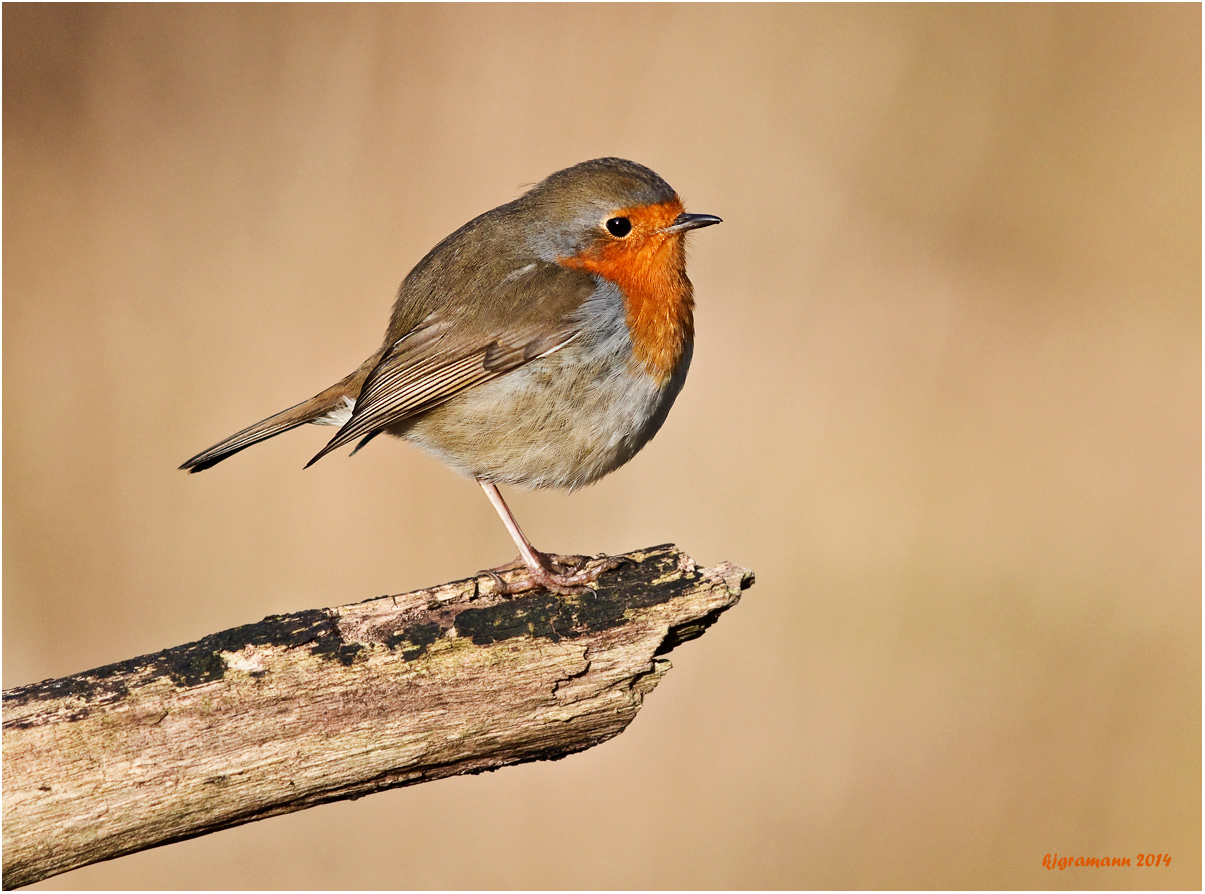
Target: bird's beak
x: 685, y: 222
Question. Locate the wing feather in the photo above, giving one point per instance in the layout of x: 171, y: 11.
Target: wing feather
x: 438, y: 359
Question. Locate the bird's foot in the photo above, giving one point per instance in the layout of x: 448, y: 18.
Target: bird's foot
x: 566, y: 575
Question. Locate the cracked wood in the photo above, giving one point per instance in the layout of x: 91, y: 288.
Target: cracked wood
x: 326, y: 704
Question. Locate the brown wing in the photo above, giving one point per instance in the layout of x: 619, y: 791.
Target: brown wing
x: 532, y: 316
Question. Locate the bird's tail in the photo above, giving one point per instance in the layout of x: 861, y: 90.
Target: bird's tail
x: 331, y: 406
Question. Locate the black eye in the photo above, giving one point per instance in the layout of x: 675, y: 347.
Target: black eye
x: 619, y: 227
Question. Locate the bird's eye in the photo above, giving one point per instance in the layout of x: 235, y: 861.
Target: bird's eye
x: 619, y: 227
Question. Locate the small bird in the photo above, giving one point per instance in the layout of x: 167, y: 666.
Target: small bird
x: 540, y: 345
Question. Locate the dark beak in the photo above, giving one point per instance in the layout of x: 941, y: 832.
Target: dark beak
x: 685, y: 222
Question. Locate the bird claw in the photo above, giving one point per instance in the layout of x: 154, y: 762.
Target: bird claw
x: 493, y: 572
x: 566, y: 575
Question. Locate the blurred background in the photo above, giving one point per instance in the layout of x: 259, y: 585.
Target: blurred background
x: 945, y: 402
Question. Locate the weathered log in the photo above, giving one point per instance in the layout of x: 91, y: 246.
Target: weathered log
x: 321, y: 705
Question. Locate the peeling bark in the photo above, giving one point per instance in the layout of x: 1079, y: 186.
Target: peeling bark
x: 327, y: 704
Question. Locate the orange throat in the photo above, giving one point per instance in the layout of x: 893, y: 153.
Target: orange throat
x: 649, y: 267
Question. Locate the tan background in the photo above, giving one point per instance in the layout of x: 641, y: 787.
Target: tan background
x: 945, y: 402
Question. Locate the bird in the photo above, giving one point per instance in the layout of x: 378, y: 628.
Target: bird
x: 540, y: 345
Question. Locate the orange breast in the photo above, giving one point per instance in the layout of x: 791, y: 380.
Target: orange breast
x: 650, y: 269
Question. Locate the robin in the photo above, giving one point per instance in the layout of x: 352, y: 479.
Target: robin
x: 541, y: 345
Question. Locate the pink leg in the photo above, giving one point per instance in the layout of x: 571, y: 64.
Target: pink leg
x: 539, y: 565
x: 526, y: 551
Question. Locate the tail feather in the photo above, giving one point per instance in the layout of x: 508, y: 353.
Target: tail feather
x: 332, y: 400
x: 253, y: 434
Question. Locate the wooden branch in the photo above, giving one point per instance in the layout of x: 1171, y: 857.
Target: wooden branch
x: 327, y: 704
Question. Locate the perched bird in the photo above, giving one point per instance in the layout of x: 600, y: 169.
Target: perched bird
x: 542, y: 345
